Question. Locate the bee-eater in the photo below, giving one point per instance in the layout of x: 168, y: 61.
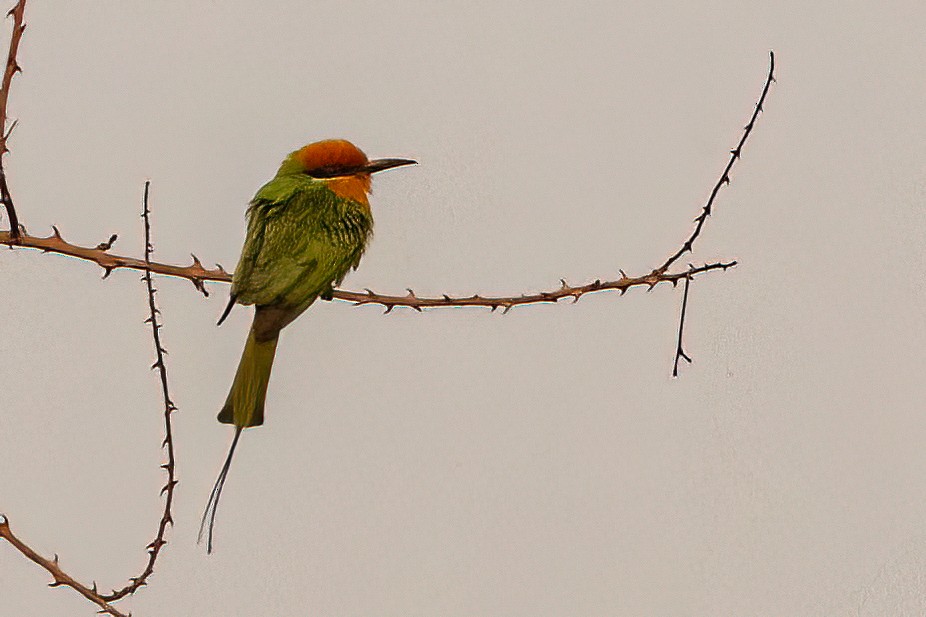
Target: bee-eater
x: 306, y: 229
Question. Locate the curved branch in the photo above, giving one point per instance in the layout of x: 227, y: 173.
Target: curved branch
x: 59, y: 576
x: 154, y: 548
x: 735, y: 154
x: 12, y: 67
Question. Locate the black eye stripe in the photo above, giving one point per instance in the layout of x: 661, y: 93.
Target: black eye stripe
x: 333, y: 171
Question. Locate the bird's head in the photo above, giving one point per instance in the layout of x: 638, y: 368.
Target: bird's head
x: 341, y: 165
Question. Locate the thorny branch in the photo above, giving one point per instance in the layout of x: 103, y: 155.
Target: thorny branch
x: 199, y: 275
x: 12, y: 67
x: 735, y: 154
x: 154, y: 548
x: 59, y: 576
x: 99, y: 254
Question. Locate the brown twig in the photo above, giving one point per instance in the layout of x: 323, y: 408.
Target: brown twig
x: 99, y: 254
x: 679, y: 351
x: 199, y: 275
x: 154, y: 548
x: 59, y: 576
x: 506, y: 303
x: 12, y: 67
x: 735, y: 154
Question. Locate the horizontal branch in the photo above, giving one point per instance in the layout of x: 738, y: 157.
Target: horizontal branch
x: 198, y: 275
x: 508, y: 302
x: 100, y: 255
x: 59, y: 576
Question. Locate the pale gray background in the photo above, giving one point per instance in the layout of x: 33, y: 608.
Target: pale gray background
x: 458, y: 462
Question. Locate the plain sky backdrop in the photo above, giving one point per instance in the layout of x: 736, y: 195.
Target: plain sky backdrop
x: 457, y: 462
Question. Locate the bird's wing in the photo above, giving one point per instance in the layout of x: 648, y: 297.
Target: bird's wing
x: 291, y: 254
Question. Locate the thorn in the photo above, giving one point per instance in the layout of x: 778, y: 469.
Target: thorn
x: 416, y: 307
x: 105, y: 246
x: 220, y: 268
x: 507, y: 308
x: 10, y: 132
x: 563, y: 281
x: 200, y: 287
x: 369, y: 291
x: 56, y: 232
x: 56, y: 559
x: 196, y: 262
x: 494, y: 306
x: 623, y: 274
x: 447, y: 298
x: 411, y: 294
x: 389, y: 308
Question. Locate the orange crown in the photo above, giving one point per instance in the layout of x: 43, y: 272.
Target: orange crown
x: 331, y: 153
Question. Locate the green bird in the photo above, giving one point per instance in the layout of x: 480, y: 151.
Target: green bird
x: 307, y: 228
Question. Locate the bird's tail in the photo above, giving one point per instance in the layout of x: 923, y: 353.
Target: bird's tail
x: 213, y: 504
x: 244, y: 406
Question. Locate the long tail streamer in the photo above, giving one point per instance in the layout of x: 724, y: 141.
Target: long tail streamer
x: 213, y: 504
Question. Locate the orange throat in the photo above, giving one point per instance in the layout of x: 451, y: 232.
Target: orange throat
x: 351, y: 187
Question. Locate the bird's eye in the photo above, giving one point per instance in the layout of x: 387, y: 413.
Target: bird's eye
x: 329, y: 171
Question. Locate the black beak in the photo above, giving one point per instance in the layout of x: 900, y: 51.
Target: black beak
x: 384, y: 164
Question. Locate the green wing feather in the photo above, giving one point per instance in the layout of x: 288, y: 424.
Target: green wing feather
x: 302, y: 238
